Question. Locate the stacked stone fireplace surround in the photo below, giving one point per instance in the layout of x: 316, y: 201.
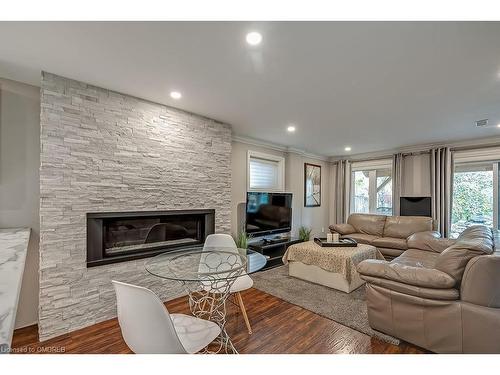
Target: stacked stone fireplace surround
x: 102, y: 151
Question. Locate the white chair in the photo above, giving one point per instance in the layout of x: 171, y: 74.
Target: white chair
x: 148, y: 328
x: 243, y: 282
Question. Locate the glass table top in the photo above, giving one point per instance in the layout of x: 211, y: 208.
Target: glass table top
x: 209, y: 263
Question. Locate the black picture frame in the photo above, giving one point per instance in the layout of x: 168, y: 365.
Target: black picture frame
x: 312, y: 179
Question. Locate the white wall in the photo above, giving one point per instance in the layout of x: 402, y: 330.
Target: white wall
x: 19, y: 181
x: 316, y: 218
x: 416, y: 176
x: 294, y: 180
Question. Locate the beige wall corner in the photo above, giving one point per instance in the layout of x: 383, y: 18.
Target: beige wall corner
x: 19, y: 181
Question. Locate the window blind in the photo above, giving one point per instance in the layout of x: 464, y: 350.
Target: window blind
x: 264, y: 174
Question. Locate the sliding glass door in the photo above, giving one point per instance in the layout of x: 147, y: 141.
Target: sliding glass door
x: 475, y: 196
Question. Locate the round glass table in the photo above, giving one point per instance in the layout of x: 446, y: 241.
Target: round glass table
x: 207, y: 274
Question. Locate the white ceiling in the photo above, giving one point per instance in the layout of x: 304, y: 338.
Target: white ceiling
x: 369, y: 85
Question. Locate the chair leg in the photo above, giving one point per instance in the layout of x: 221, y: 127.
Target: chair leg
x: 244, y: 312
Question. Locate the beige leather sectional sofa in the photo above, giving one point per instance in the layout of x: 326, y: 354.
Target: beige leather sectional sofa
x: 439, y: 294
x: 387, y: 233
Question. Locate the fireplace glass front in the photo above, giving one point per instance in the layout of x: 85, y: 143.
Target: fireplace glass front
x: 124, y: 236
x: 117, y: 237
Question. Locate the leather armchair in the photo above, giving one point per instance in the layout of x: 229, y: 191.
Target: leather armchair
x: 440, y: 294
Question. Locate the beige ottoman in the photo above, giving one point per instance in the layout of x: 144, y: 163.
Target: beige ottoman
x: 334, y: 267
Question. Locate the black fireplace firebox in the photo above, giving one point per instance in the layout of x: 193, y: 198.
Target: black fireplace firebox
x: 121, y: 236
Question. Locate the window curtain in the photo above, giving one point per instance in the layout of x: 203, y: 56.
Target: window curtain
x: 342, y: 187
x: 397, y: 182
x: 441, y: 187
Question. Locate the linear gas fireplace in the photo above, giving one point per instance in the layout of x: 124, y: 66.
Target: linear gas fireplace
x: 120, y: 236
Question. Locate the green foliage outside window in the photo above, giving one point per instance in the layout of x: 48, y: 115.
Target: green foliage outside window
x: 472, y: 199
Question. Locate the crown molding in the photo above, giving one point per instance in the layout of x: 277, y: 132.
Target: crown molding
x: 259, y: 143
x: 278, y: 147
x: 20, y: 88
x: 305, y: 154
x: 422, y: 148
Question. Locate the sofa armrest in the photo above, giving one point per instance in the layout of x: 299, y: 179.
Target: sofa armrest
x: 417, y: 276
x: 342, y: 228
x: 450, y: 294
x: 481, y: 281
x: 429, y: 241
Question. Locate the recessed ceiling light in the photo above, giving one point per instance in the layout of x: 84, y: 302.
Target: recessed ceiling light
x: 290, y: 129
x: 347, y: 149
x: 254, y: 38
x: 498, y: 125
x: 175, y: 95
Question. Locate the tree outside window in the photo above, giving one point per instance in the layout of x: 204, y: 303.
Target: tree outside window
x: 473, y: 196
x: 372, y: 191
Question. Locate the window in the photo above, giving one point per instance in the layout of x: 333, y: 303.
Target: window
x: 265, y: 172
x: 371, y: 187
x: 475, y: 196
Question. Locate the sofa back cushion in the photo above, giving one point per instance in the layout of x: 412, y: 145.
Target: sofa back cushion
x: 474, y: 241
x: 405, y: 226
x: 429, y: 241
x: 368, y: 224
x: 479, y: 237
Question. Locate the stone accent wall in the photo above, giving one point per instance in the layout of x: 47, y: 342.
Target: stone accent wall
x: 105, y: 151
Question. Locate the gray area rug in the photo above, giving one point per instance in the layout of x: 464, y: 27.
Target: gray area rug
x: 346, y: 309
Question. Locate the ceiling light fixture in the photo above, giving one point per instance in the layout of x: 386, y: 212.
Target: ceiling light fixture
x: 175, y: 95
x: 498, y: 125
x: 254, y: 38
x: 290, y: 129
x: 347, y: 149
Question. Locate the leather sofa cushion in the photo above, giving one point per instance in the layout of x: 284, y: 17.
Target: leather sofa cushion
x: 390, y: 253
x: 391, y: 243
x: 440, y: 294
x: 429, y: 241
x: 417, y: 258
x: 368, y: 224
x: 362, y: 238
x: 342, y: 228
x: 405, y: 226
x: 474, y: 241
x: 413, y: 275
x: 478, y: 237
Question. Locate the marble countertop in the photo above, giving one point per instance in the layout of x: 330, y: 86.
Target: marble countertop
x: 13, y: 249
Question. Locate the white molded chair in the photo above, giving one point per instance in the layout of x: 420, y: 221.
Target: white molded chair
x: 243, y: 282
x: 148, y: 328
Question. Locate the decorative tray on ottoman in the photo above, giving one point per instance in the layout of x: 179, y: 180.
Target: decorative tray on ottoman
x: 343, y: 242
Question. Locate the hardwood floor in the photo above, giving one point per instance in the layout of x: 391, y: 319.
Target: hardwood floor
x: 278, y: 327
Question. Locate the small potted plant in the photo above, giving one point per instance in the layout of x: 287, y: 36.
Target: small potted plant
x: 242, y: 240
x: 304, y: 233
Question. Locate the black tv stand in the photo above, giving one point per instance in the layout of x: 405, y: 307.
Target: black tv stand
x: 273, y: 249
x: 269, y: 241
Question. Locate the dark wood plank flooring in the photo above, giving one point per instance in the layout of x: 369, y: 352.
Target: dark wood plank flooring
x: 278, y: 327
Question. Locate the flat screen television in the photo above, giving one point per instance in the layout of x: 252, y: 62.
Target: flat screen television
x: 415, y: 206
x: 268, y: 213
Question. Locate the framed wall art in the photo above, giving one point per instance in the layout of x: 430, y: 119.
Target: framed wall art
x: 312, y: 185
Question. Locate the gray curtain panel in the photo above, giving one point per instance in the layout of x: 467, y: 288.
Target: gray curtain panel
x: 441, y: 187
x: 342, y: 187
x: 397, y: 182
